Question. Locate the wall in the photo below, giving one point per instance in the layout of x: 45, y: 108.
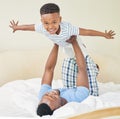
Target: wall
x: 94, y: 14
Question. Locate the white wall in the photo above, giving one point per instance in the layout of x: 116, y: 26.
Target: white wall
x: 94, y: 14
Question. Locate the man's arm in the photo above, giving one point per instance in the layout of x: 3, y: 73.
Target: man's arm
x: 89, y: 32
x: 14, y: 25
x: 82, y: 77
x: 50, y: 65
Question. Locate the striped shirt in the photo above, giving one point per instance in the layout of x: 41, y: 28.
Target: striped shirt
x: 67, y: 30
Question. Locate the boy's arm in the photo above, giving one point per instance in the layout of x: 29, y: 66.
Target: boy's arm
x: 14, y: 25
x: 89, y: 32
x: 50, y: 65
x: 82, y: 77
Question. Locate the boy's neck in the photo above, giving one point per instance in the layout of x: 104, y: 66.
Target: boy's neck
x: 58, y: 31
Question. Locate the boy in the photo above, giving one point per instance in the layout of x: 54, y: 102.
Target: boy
x: 59, y: 31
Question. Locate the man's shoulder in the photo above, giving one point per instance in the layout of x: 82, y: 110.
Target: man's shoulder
x: 46, y: 85
x: 44, y: 89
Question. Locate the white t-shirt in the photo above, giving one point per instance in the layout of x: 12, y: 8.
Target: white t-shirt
x: 66, y: 31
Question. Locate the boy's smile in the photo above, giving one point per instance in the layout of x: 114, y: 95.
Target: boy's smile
x: 51, y: 22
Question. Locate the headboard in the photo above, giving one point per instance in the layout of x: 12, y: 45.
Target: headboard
x: 26, y: 64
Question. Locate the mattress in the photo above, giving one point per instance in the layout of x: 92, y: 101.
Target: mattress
x: 19, y: 99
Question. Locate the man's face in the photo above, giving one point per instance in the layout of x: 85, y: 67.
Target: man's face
x: 52, y: 99
x: 51, y: 22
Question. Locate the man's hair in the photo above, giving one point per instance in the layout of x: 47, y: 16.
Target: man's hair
x: 49, y: 8
x: 44, y: 109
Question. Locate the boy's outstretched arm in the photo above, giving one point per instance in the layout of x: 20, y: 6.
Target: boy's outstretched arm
x: 89, y: 32
x: 14, y: 25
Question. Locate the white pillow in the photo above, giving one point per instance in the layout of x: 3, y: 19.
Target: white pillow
x: 19, y: 98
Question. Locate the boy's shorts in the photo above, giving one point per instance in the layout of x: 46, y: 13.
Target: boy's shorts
x: 69, y: 74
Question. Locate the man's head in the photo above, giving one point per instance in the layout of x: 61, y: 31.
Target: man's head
x: 50, y: 102
x: 50, y: 17
x: 44, y: 109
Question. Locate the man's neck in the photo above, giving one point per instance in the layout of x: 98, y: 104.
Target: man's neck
x: 63, y: 101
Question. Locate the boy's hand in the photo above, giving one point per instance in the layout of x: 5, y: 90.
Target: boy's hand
x: 13, y: 25
x: 109, y: 34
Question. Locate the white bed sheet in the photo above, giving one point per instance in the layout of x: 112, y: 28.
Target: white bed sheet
x: 19, y: 99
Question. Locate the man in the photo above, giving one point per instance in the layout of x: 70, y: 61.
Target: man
x: 52, y: 99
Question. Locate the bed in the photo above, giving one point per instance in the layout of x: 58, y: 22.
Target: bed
x: 19, y: 99
x: 20, y: 83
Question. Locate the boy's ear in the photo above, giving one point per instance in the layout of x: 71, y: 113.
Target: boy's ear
x: 41, y: 20
x: 60, y: 18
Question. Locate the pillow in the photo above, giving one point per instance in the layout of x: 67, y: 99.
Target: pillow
x: 18, y: 99
x: 69, y: 74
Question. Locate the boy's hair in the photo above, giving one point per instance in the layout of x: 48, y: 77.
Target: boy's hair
x: 49, y: 8
x: 44, y: 109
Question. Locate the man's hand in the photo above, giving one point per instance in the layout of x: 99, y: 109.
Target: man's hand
x: 71, y: 39
x: 109, y: 34
x: 13, y: 25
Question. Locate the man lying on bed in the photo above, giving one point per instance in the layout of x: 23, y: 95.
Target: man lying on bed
x: 52, y: 99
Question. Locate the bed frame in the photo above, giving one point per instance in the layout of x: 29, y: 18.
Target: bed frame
x: 99, y: 114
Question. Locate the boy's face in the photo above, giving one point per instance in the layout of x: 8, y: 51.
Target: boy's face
x: 51, y: 22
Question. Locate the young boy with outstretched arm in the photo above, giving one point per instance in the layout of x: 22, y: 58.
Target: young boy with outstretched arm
x: 59, y: 31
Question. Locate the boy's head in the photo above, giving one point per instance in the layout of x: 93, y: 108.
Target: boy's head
x: 49, y: 8
x: 50, y: 18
